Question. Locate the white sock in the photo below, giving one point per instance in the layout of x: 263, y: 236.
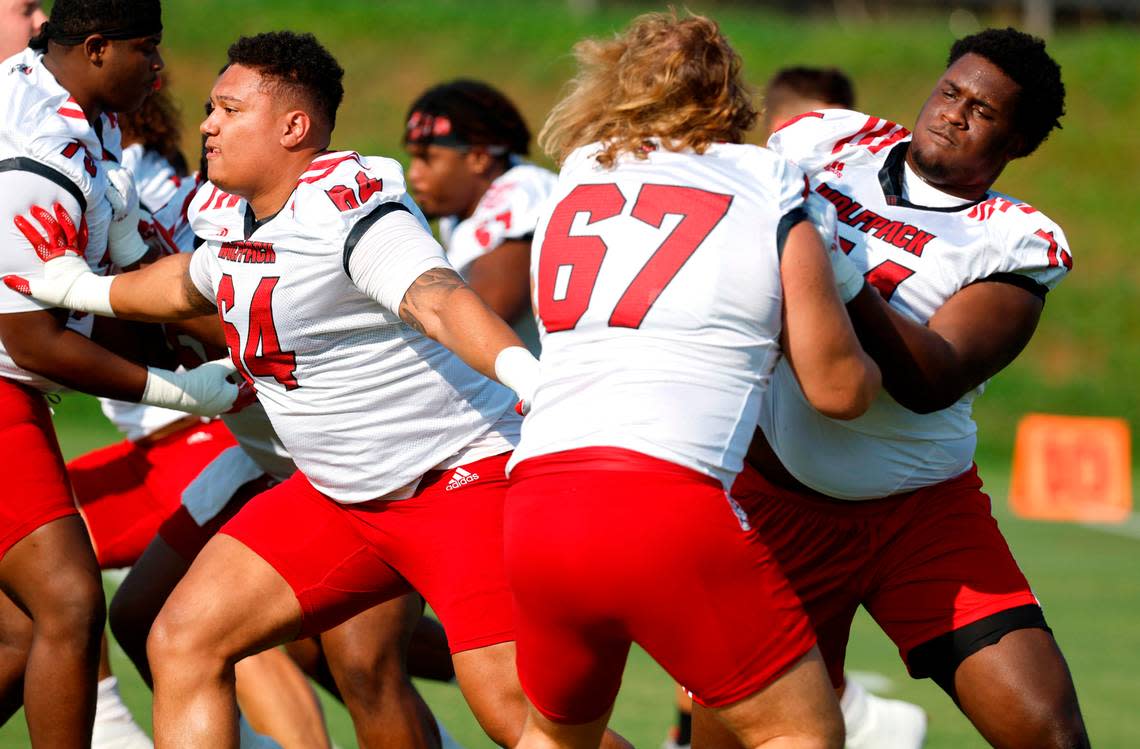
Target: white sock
x: 115, y: 727
x: 877, y: 723
x: 251, y: 739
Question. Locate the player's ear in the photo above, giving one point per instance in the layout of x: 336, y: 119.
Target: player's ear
x: 479, y: 160
x: 95, y: 46
x: 296, y: 126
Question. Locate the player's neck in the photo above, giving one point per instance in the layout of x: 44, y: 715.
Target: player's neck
x: 72, y: 78
x: 967, y: 190
x: 484, y: 183
x: 269, y: 198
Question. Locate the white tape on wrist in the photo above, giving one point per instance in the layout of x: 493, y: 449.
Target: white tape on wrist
x: 848, y: 280
x: 203, y: 390
x: 517, y: 368
x: 69, y: 283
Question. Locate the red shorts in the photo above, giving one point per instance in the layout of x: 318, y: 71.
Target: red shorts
x: 605, y: 547
x: 127, y: 490
x: 36, y: 490
x: 445, y: 541
x: 923, y: 563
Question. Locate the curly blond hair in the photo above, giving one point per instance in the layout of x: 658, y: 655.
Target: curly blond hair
x: 668, y: 78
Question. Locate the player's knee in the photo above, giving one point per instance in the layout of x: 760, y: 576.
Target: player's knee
x: 364, y: 677
x: 178, y: 641
x: 1057, y: 726
x: 502, y: 714
x: 71, y: 608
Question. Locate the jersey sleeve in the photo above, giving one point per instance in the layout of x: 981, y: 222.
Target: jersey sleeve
x: 392, y: 251
x: 19, y: 192
x: 813, y: 140
x: 204, y: 271
x: 1035, y: 254
x: 511, y: 210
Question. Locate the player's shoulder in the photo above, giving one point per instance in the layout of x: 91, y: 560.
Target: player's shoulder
x: 815, y: 139
x: 215, y: 214
x: 41, y: 121
x: 520, y: 188
x: 338, y: 189
x: 761, y: 169
x: 1024, y: 239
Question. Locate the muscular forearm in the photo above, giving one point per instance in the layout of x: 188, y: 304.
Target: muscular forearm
x: 74, y: 361
x: 463, y: 323
x: 921, y: 369
x: 159, y: 292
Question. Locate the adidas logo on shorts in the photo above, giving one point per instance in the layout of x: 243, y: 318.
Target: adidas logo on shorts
x: 461, y: 478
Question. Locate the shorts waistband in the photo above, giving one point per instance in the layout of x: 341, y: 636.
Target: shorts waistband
x: 605, y: 459
x: 756, y: 482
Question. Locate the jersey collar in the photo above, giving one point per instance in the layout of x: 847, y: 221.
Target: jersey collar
x: 891, y: 180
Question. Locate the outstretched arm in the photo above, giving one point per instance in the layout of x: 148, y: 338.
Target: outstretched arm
x: 972, y: 337
x: 159, y: 292
x: 400, y: 265
x: 442, y: 307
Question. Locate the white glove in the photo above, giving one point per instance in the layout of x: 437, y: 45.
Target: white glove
x: 517, y: 368
x: 126, y: 245
x: 205, y: 390
x: 821, y: 212
x: 67, y: 281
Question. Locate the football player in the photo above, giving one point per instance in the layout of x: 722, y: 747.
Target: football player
x: 90, y: 60
x: 957, y: 275
x: 675, y: 266
x: 374, y: 361
x: 468, y: 146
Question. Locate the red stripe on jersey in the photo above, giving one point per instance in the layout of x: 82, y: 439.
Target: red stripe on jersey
x: 894, y: 138
x: 328, y: 165
x: 871, y: 124
x: 796, y: 119
x: 879, y: 132
x: 75, y: 114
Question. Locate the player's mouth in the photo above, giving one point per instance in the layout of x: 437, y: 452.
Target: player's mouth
x: 212, y: 152
x: 941, y: 137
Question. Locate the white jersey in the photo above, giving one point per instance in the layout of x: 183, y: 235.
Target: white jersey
x: 166, y: 196
x: 918, y: 247
x: 363, y: 403
x: 509, y: 210
x: 156, y: 179
x: 657, y: 285
x: 49, y: 153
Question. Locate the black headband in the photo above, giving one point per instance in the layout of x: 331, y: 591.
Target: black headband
x: 425, y: 128
x: 134, y: 29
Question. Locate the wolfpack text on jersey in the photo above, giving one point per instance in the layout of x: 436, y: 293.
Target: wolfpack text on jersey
x: 918, y: 247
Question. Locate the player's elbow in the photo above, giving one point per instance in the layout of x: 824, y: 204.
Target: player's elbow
x: 846, y: 389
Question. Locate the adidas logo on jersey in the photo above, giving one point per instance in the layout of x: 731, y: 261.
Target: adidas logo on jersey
x: 461, y: 478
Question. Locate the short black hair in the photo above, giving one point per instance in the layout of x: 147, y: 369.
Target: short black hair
x: 295, y: 60
x: 1022, y: 57
x: 72, y: 21
x: 478, y: 113
x: 825, y: 84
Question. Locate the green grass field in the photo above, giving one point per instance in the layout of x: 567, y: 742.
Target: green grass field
x: 1081, y: 360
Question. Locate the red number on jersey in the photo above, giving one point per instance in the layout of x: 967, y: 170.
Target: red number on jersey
x: 271, y: 361
x: 568, y: 266
x: 886, y: 277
